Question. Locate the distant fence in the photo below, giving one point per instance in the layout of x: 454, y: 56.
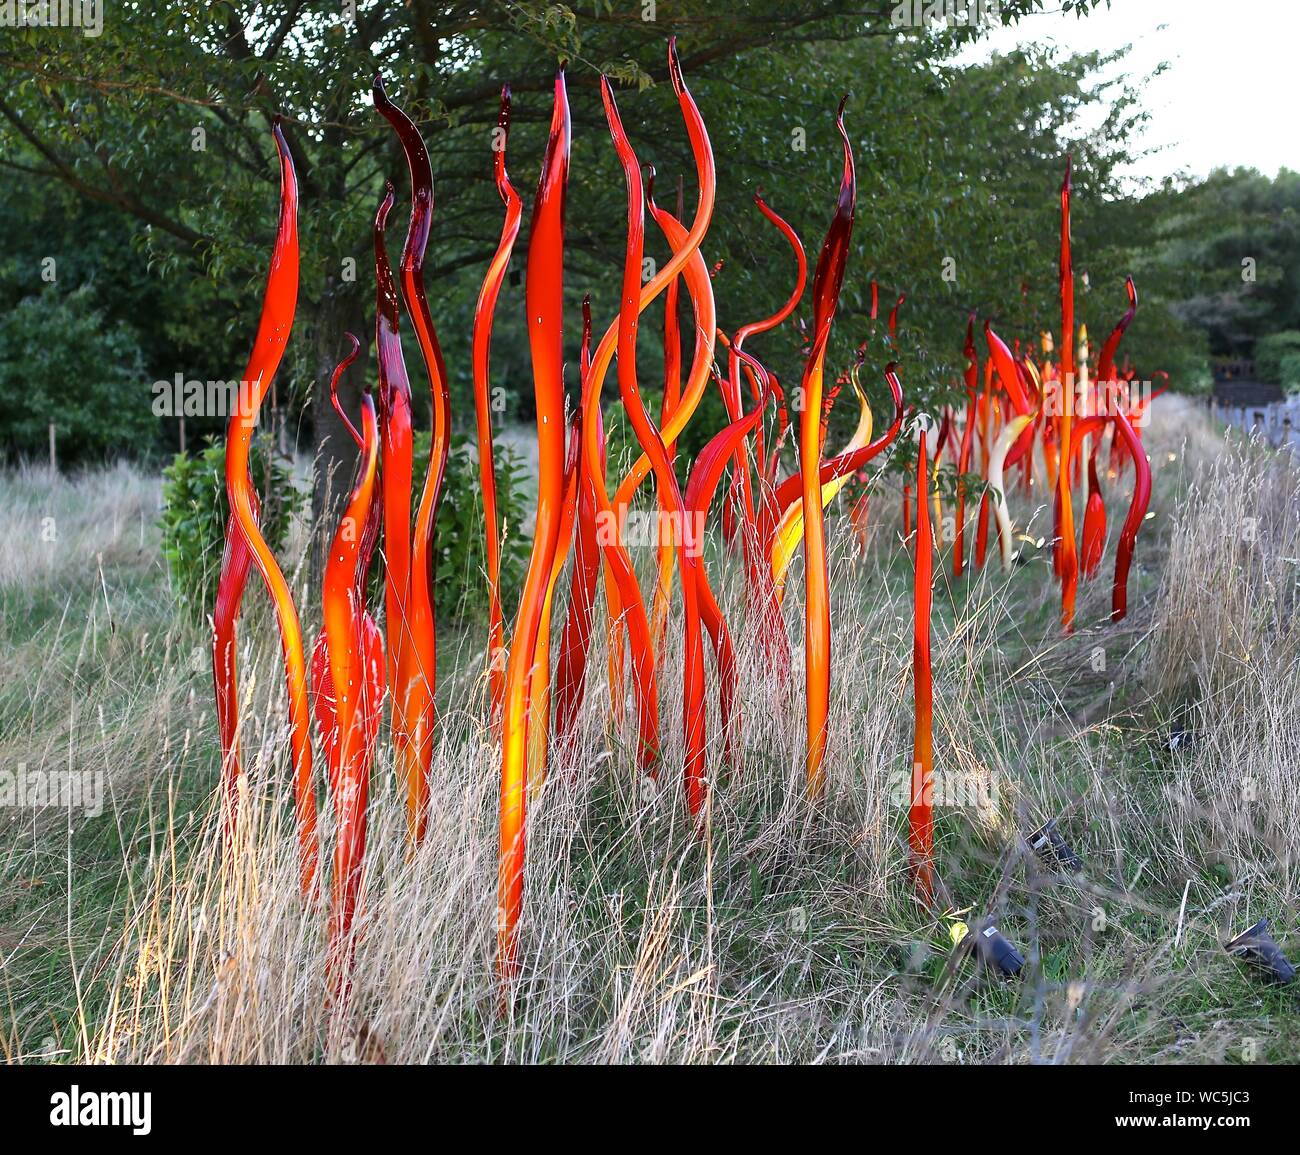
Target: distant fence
x: 1237, y: 369
x: 1277, y: 422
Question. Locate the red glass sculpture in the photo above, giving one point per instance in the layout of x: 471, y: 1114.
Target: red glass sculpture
x: 920, y: 818
x: 764, y: 516
x: 544, y: 297
x: 348, y: 669
x: 1066, y: 557
x: 827, y: 280
x: 244, y: 539
x: 484, y: 313
x: 416, y: 663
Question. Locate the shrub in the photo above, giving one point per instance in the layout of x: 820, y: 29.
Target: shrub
x: 1269, y: 352
x: 460, y: 553
x: 622, y: 447
x: 62, y: 362
x: 195, y: 511
x: 1290, y: 373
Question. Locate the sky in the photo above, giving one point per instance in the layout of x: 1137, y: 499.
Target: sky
x: 1228, y: 97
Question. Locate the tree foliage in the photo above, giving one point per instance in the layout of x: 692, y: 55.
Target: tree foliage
x: 196, y: 512
x: 61, y: 364
x: 1233, y: 243
x: 164, y: 119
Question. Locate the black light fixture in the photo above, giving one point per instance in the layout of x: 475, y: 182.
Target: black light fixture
x: 1046, y: 842
x: 990, y: 944
x: 1256, y: 946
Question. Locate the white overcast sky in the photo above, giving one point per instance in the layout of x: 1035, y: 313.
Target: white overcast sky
x: 1229, y: 96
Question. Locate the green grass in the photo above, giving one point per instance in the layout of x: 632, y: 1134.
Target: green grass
x: 791, y: 934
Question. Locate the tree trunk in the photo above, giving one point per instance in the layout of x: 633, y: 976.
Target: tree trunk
x: 342, y: 309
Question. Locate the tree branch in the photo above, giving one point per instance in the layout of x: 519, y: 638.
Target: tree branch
x: 118, y: 198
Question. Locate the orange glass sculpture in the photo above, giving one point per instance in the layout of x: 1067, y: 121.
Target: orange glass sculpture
x: 244, y: 541
x: 827, y: 279
x: 544, y: 296
x: 348, y: 671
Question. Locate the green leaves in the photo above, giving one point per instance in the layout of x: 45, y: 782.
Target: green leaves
x: 1275, y: 357
x: 460, y: 553
x: 959, y: 165
x: 195, y: 511
x: 62, y: 363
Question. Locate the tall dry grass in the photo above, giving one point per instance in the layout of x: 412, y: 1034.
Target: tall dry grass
x: 1225, y: 659
x: 789, y: 933
x: 640, y: 942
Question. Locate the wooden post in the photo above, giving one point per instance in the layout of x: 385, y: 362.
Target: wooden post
x: 54, y: 456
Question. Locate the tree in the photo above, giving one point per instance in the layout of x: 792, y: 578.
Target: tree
x: 164, y: 118
x: 61, y: 365
x: 1234, y: 240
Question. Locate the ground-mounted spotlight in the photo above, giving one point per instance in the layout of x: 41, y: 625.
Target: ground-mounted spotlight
x: 1256, y: 946
x: 990, y: 944
x: 1047, y: 843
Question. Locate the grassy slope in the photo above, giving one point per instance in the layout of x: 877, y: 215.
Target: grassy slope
x: 790, y: 936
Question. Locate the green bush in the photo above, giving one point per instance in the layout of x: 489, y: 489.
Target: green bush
x: 195, y: 511
x: 1290, y: 373
x: 622, y: 448
x: 62, y: 362
x: 460, y: 552
x: 1269, y: 352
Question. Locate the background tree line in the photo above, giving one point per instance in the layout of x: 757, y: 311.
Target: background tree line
x: 141, y: 163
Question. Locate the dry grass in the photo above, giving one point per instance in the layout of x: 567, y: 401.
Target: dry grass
x: 790, y: 933
x: 1226, y: 659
